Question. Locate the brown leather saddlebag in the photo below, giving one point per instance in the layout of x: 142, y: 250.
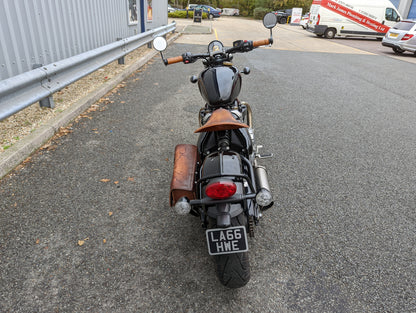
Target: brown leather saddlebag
x: 183, y: 179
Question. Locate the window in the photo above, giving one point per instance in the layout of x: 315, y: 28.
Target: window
x: 404, y: 25
x: 391, y: 15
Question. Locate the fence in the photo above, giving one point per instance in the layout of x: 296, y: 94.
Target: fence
x: 18, y: 92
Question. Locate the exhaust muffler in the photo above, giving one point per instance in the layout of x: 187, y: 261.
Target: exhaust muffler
x: 264, y: 197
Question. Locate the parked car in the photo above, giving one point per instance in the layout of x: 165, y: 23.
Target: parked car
x: 283, y: 17
x: 171, y: 9
x: 304, y: 21
x: 230, y: 11
x: 401, y: 37
x: 210, y: 11
x: 190, y: 7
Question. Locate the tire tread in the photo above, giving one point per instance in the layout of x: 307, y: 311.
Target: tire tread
x: 233, y: 270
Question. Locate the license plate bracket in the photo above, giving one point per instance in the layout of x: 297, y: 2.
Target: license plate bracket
x: 227, y: 240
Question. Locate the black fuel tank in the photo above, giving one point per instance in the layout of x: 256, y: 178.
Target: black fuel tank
x: 219, y: 85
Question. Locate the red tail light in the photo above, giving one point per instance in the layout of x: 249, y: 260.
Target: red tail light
x: 319, y: 18
x: 407, y: 37
x: 221, y: 189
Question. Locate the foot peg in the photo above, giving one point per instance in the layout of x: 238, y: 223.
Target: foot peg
x: 262, y: 156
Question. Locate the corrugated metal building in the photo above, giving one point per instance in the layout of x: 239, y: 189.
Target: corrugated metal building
x: 45, y: 31
x: 407, y: 8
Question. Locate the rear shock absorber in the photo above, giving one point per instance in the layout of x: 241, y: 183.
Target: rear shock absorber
x: 223, y: 139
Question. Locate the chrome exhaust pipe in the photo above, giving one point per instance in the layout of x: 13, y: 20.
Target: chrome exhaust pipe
x: 262, y: 181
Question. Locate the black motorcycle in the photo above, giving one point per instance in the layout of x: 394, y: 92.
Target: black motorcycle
x: 219, y: 179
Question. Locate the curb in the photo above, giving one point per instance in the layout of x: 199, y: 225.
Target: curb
x: 21, y: 150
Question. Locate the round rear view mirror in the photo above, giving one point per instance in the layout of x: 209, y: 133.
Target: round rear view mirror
x: 270, y: 20
x: 160, y: 43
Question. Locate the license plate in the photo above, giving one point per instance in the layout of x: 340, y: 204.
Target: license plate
x: 227, y: 240
x: 393, y: 35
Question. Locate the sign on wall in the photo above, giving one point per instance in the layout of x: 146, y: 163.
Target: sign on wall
x: 132, y: 11
x: 149, y: 11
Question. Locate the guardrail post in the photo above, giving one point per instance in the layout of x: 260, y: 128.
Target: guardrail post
x: 120, y: 60
x: 48, y: 101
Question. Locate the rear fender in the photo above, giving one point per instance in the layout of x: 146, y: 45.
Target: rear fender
x: 224, y: 212
x: 227, y: 165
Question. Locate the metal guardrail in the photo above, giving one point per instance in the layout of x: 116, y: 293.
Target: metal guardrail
x: 20, y: 91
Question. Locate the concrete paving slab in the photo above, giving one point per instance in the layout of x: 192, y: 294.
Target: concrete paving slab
x: 197, y: 29
x: 286, y: 37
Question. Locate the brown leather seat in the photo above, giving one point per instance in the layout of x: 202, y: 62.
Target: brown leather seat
x: 221, y: 119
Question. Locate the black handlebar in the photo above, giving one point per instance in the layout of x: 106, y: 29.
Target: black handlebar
x: 241, y: 46
x: 238, y: 46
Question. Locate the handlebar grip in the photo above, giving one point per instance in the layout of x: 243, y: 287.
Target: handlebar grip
x: 174, y: 60
x: 263, y: 42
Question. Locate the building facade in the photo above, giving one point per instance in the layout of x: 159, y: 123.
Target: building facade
x: 407, y: 8
x: 35, y: 32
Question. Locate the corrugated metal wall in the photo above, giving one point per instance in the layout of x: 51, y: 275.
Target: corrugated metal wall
x: 160, y: 11
x: 395, y: 3
x: 408, y: 9
x: 46, y: 31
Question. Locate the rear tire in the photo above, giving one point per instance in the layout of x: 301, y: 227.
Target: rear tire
x: 398, y: 50
x: 233, y: 270
x: 330, y: 33
x: 283, y: 20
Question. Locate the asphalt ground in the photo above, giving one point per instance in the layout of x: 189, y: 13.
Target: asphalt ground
x: 86, y: 226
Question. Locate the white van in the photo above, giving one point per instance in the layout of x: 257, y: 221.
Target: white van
x: 354, y: 18
x: 230, y: 11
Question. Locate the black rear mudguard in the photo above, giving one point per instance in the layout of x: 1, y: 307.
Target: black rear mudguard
x: 224, y: 212
x: 227, y: 165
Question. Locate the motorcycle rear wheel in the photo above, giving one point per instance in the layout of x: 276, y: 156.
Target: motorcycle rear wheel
x: 233, y: 270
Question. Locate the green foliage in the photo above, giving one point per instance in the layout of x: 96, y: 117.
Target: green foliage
x: 289, y: 4
x: 183, y: 3
x: 182, y: 14
x: 260, y: 12
x: 264, y: 4
x: 247, y: 7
